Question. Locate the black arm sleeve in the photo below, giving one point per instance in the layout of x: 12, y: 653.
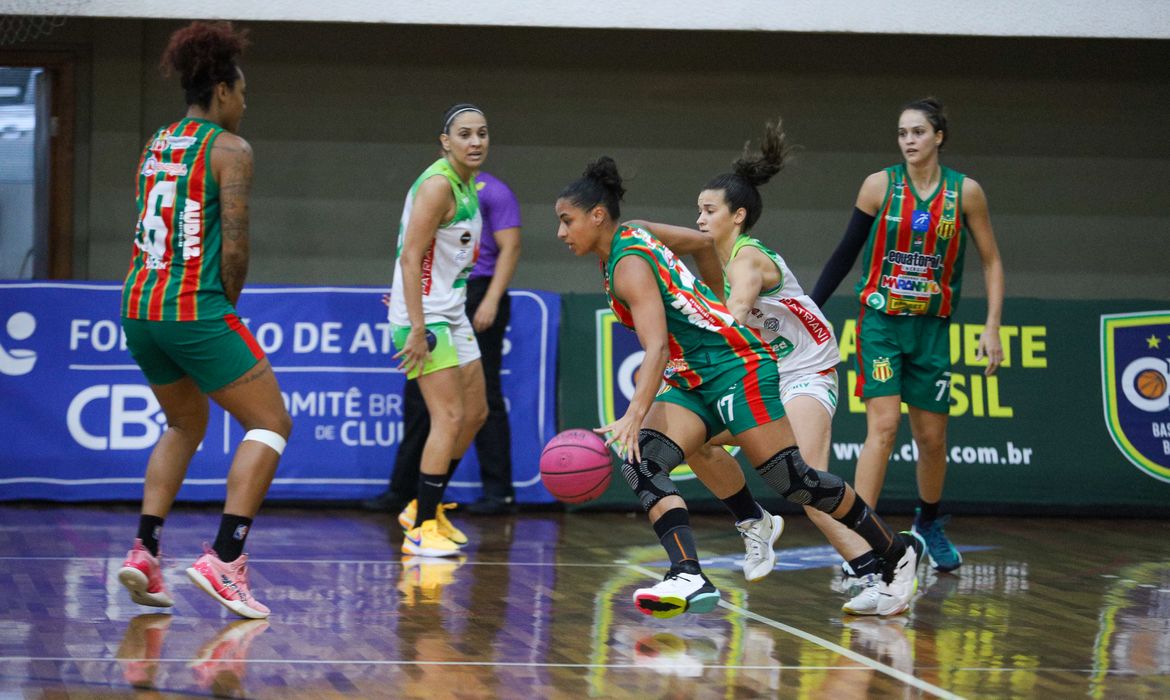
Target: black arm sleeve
x: 842, y: 259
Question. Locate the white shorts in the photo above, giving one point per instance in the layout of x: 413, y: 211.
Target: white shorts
x: 463, y: 338
x: 820, y: 386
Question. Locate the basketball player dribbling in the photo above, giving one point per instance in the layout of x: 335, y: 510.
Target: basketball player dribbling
x: 763, y: 294
x: 720, y: 375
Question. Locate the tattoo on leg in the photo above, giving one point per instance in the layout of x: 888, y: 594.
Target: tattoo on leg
x: 252, y: 375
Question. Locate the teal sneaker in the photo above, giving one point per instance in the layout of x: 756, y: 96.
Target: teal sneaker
x: 942, y: 554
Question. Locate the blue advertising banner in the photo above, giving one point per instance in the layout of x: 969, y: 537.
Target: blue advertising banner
x: 79, y: 420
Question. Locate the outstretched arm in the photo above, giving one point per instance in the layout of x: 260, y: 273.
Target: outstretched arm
x: 687, y: 241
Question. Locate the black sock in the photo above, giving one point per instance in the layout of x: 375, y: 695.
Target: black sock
x: 927, y: 511
x: 742, y: 505
x: 450, y: 471
x: 867, y: 563
x: 149, y: 531
x: 233, y: 531
x: 430, y: 495
x: 874, y: 531
x: 677, y: 538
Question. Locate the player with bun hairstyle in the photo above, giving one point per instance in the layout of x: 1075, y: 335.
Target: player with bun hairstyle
x: 914, y: 220
x: 438, y: 242
x: 721, y: 376
x: 187, y: 270
x: 762, y: 293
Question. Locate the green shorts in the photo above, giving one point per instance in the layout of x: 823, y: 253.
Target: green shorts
x: 443, y: 354
x: 735, y: 402
x: 214, y: 352
x: 906, y: 356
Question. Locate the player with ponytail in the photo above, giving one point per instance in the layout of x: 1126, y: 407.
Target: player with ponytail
x: 721, y: 376
x: 762, y: 293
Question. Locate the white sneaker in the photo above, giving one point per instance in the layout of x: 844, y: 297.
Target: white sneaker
x: 865, y: 601
x: 676, y: 593
x: 896, y: 594
x: 758, y: 537
x: 848, y: 582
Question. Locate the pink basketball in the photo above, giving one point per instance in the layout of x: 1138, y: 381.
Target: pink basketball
x: 576, y: 466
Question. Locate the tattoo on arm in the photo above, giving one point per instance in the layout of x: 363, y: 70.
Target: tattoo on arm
x: 234, y: 191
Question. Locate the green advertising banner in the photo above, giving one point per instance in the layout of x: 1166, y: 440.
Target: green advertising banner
x: 1075, y: 419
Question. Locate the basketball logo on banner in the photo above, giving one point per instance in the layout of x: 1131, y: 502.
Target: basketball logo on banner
x: 1135, y: 374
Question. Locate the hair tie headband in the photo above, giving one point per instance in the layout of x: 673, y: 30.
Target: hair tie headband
x: 456, y: 113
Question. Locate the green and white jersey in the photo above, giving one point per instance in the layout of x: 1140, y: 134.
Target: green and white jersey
x: 449, y: 259
x: 789, y: 320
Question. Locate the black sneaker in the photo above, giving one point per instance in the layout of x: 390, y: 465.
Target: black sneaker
x: 493, y: 506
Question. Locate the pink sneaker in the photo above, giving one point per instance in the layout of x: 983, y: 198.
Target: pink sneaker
x: 141, y: 574
x: 219, y: 665
x: 227, y: 582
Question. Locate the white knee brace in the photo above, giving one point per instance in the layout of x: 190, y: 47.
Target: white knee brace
x: 274, y: 440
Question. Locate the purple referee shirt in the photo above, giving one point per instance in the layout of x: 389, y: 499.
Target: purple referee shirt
x: 500, y: 210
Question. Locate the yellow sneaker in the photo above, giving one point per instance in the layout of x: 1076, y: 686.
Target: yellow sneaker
x: 427, y: 541
x: 407, y: 517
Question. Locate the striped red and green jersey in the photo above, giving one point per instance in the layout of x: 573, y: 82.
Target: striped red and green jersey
x: 913, y: 259
x: 175, y: 265
x: 704, y: 339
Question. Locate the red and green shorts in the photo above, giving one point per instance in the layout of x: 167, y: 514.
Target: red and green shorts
x: 735, y: 401
x: 214, y: 352
x: 906, y: 356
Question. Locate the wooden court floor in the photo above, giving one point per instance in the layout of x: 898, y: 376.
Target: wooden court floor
x: 540, y: 607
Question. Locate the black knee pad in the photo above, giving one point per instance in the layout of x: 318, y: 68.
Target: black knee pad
x: 787, y: 473
x: 650, y: 479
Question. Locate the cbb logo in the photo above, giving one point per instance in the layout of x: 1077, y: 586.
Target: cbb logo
x: 17, y: 362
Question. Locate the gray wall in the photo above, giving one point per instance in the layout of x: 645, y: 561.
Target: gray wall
x: 1068, y: 138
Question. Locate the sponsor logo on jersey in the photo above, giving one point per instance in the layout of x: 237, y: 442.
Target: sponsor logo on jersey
x: 919, y: 221
x: 911, y: 286
x: 819, y: 332
x: 880, y: 369
x: 875, y: 300
x: 771, y: 324
x: 192, y: 229
x: 908, y: 306
x: 914, y: 261
x: 168, y: 142
x: 153, y: 166
x: 428, y: 263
